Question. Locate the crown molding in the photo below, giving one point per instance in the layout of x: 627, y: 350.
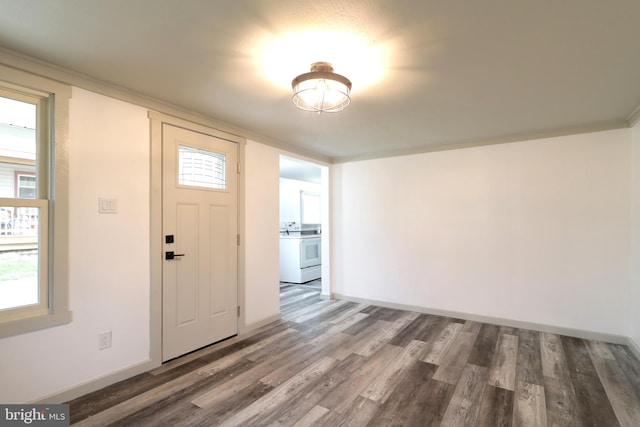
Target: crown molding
x: 601, y: 127
x: 634, y: 117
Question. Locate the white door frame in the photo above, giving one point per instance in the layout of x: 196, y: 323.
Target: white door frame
x: 156, y: 243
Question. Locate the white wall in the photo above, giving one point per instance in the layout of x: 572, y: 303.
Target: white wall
x: 634, y: 299
x: 535, y: 231
x: 262, y: 174
x: 108, y: 257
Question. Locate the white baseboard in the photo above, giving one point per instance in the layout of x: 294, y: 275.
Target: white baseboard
x: 578, y: 333
x: 97, y: 383
x: 634, y: 347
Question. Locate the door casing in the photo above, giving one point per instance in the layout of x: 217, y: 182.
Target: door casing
x: 156, y: 238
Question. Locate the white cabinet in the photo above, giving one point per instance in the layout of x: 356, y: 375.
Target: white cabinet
x: 300, y: 258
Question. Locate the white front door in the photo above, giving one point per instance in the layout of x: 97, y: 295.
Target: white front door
x: 200, y: 228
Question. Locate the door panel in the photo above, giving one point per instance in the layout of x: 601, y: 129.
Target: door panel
x: 200, y: 211
x: 219, y: 217
x: 186, y: 268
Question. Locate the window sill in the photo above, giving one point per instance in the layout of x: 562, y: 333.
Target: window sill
x: 17, y: 327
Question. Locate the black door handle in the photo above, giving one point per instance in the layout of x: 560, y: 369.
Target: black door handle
x: 171, y: 255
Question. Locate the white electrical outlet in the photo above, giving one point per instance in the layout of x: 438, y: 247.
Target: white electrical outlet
x: 104, y: 340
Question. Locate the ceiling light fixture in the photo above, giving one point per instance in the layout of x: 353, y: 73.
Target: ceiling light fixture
x: 321, y: 90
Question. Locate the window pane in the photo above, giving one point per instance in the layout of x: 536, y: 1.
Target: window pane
x: 19, y: 277
x: 18, y: 149
x: 26, y: 187
x: 19, y: 255
x: 310, y: 207
x: 201, y: 168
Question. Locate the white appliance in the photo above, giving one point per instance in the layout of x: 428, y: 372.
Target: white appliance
x: 300, y: 258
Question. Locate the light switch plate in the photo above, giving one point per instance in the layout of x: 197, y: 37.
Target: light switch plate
x: 107, y: 206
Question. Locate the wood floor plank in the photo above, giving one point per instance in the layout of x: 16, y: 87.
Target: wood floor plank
x: 300, y: 315
x: 312, y: 417
x: 226, y: 390
x: 278, y: 396
x: 177, y: 409
x: 308, y: 397
x: 386, y: 381
x: 214, y: 416
x: 439, y: 347
x: 360, y: 326
x: 432, y: 329
x: 143, y: 400
x: 433, y: 397
x: 629, y: 365
x: 502, y: 372
x: 301, y: 359
x: 344, y: 395
x: 290, y: 308
x: 288, y: 341
x: 456, y: 357
x: 359, y: 340
x: 508, y: 330
x: 410, y: 332
x: 383, y: 335
x: 560, y: 401
x: 600, y: 350
x: 299, y: 298
x: 624, y: 401
x: 388, y: 314
x: 529, y: 405
x: 101, y: 400
x: 560, y: 397
x: 464, y: 407
x: 406, y: 399
x: 326, y: 316
x: 359, y: 413
x: 554, y: 364
x: 593, y: 404
x: 471, y: 327
x: 496, y: 408
x: 352, y: 311
x: 485, y: 346
x: 232, y: 358
x: 529, y: 362
x: 336, y: 328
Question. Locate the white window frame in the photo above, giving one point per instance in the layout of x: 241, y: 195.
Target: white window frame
x: 52, y: 201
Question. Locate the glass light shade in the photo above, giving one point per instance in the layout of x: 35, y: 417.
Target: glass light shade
x: 321, y: 90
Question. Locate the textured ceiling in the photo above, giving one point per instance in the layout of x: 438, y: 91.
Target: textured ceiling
x: 436, y: 73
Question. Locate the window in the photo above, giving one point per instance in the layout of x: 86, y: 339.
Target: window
x: 310, y: 207
x: 33, y: 203
x: 26, y: 185
x: 201, y: 168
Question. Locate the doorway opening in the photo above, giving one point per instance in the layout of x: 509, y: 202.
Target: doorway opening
x: 304, y: 227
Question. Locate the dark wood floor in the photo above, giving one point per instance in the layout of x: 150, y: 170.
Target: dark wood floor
x: 331, y: 363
